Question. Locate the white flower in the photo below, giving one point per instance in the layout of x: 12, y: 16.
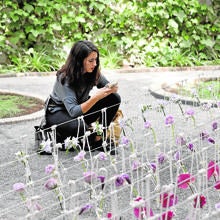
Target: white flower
x: 46, y: 146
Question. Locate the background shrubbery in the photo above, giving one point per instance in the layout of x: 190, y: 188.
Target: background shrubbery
x: 34, y: 34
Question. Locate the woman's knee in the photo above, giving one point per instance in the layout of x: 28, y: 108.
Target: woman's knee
x: 115, y: 98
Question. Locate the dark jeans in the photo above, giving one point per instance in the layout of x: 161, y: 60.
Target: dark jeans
x: 69, y: 127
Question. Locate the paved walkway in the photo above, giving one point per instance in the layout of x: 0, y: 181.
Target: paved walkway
x: 132, y: 83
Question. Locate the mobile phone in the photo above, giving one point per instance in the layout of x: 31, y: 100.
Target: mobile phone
x: 112, y: 84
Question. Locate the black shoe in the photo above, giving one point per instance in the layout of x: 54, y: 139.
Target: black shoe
x: 42, y: 152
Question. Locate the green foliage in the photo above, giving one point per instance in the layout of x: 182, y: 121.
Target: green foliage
x: 151, y: 33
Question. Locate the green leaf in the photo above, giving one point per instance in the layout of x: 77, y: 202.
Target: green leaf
x: 29, y: 8
x: 66, y: 20
x: 180, y: 14
x: 185, y: 44
x: 173, y: 24
x: 208, y: 42
x: 56, y: 27
x: 35, y: 32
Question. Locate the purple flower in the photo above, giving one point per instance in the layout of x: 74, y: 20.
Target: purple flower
x: 190, y: 146
x: 124, y: 140
x: 180, y: 141
x: 102, y: 156
x: 204, y: 135
x: 89, y: 176
x: 119, y: 181
x: 153, y: 166
x: 85, y: 208
x: 176, y: 156
x: 49, y: 168
x: 122, y: 122
x: 214, y: 125
x: 33, y: 205
x: 51, y: 183
x: 126, y: 177
x: 102, y: 180
x: 211, y: 140
x: 161, y: 158
x: 190, y: 112
x: 135, y: 164
x: 217, y: 206
x: 80, y: 156
x: 147, y: 124
x: 169, y: 120
x: 19, y: 187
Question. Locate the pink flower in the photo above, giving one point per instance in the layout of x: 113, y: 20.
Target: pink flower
x: 135, y: 165
x: 51, y: 183
x: 168, y: 200
x: 167, y: 215
x: 49, y: 168
x: 213, y: 170
x: 141, y: 211
x: 109, y: 215
x: 190, y: 112
x: 184, y: 180
x: 147, y: 125
x: 176, y: 156
x: 80, y: 156
x: 200, y: 203
x: 19, y: 187
x: 33, y: 205
x: 89, y: 176
x: 217, y: 185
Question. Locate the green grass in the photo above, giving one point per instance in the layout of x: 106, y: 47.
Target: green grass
x: 205, y: 90
x: 12, y: 105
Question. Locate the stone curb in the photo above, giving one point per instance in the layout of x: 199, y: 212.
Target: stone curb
x: 123, y: 70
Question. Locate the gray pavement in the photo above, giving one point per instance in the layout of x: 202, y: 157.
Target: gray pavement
x: 134, y: 89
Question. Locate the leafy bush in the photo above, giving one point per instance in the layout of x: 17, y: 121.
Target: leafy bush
x: 151, y: 33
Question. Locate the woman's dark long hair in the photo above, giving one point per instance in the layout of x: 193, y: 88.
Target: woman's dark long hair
x: 72, y: 70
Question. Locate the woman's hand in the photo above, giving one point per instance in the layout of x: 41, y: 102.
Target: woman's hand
x: 105, y: 91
